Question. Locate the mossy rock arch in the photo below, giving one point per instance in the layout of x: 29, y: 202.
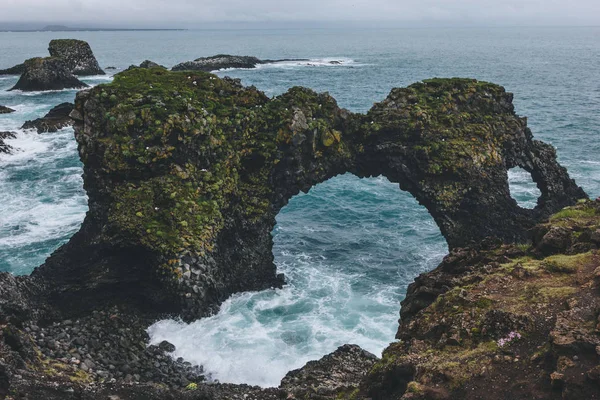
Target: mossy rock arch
x: 186, y: 172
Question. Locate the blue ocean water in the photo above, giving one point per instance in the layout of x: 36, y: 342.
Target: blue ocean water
x: 350, y: 246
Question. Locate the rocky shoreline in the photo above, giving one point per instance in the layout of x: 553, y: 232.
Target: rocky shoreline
x: 185, y: 173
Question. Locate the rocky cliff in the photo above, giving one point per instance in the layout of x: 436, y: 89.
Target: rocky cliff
x: 185, y: 173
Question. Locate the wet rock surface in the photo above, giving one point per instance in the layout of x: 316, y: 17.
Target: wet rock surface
x: 47, y: 74
x: 57, y: 118
x: 6, y: 110
x: 335, y: 375
x: 6, y: 148
x: 77, y: 56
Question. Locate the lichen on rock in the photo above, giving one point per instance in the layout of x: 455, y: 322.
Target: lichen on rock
x: 77, y: 56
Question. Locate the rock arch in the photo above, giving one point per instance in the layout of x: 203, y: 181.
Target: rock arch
x: 185, y: 173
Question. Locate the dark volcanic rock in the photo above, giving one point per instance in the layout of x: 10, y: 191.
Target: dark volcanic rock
x: 502, y: 322
x: 77, y: 55
x: 221, y: 61
x: 5, y: 148
x: 47, y: 74
x: 334, y: 375
x: 57, y: 118
x: 186, y: 172
x: 16, y: 70
x: 146, y: 64
x: 150, y: 64
x: 6, y: 110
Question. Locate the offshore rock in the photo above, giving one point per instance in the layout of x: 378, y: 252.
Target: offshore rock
x: 6, y: 110
x: 220, y: 61
x: 47, y: 74
x: 186, y: 172
x: 16, y: 70
x: 336, y: 375
x: 77, y: 55
x: 5, y: 148
x: 57, y: 118
x: 224, y: 61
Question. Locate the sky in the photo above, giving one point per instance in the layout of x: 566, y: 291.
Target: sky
x: 198, y: 13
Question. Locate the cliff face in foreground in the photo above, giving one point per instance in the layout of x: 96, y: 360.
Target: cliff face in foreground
x: 185, y: 173
x: 503, y: 321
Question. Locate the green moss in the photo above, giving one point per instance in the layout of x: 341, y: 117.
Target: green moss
x: 574, y: 213
x: 566, y: 264
x: 553, y: 293
x: 414, y: 387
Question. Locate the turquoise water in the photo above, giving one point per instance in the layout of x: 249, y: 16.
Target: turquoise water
x: 349, y: 247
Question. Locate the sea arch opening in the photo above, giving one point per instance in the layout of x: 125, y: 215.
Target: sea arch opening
x: 348, y: 247
x: 522, y: 188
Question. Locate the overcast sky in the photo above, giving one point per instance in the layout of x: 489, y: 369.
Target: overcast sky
x: 193, y: 13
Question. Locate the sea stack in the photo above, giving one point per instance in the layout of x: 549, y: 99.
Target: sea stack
x: 77, y: 55
x: 47, y: 74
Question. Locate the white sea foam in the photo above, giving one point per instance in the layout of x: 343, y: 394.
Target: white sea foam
x: 522, y: 188
x: 40, y: 191
x: 311, y: 63
x: 326, y: 303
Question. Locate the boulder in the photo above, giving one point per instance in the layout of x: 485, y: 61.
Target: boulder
x: 77, y: 55
x: 333, y: 375
x: 146, y: 64
x: 47, y: 74
x: 56, y: 119
x: 16, y: 70
x: 150, y: 64
x: 221, y: 61
x: 6, y: 110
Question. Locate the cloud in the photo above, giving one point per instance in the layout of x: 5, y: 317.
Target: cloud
x: 532, y: 12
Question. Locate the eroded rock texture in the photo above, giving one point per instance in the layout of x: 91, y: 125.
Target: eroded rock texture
x: 16, y: 70
x: 57, y: 118
x: 77, y: 55
x: 503, y: 322
x: 47, y: 74
x: 186, y: 172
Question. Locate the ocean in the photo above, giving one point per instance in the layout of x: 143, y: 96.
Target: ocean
x: 350, y: 247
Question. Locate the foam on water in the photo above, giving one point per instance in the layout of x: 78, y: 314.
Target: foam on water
x: 522, y: 188
x: 43, y: 202
x: 334, y: 295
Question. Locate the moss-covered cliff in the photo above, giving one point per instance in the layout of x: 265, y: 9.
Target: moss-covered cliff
x: 186, y: 172
x: 503, y: 321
